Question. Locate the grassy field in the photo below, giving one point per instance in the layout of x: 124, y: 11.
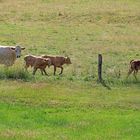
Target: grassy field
x: 74, y: 105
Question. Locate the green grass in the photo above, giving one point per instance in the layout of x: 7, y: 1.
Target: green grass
x: 74, y: 105
x: 37, y: 111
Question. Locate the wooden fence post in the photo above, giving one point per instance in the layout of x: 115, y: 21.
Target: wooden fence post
x: 99, y: 67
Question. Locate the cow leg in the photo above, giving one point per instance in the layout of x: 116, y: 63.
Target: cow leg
x: 54, y: 69
x: 26, y: 67
x: 61, y: 70
x: 45, y: 72
x: 130, y: 71
x: 135, y: 73
x: 41, y: 71
x: 34, y: 71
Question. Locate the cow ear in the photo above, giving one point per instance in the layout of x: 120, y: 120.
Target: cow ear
x: 12, y: 48
x: 22, y: 48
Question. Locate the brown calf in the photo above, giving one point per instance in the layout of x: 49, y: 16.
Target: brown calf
x: 37, y: 63
x: 58, y: 61
x: 134, y: 67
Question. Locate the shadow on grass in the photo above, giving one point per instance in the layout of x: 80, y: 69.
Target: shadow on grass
x: 132, y: 82
x: 103, y: 83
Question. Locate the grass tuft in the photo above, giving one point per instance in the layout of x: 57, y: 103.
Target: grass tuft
x: 15, y: 74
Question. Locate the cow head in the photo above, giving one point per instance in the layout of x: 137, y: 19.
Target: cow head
x: 48, y: 61
x: 67, y: 60
x: 17, y: 50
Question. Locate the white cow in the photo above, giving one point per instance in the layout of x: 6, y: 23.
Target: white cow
x: 8, y: 54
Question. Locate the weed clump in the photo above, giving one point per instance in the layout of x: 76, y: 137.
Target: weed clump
x: 15, y: 73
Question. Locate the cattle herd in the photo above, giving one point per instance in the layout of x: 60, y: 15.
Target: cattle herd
x: 8, y: 55
x: 41, y: 62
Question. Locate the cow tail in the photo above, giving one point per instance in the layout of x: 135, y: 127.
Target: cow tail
x: 131, y: 61
x: 132, y: 65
